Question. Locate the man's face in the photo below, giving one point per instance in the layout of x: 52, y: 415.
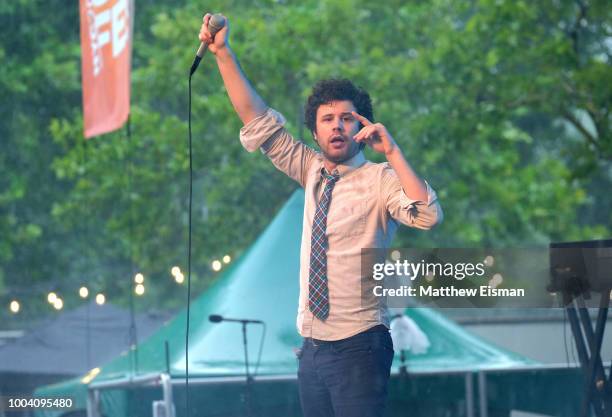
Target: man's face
x: 336, y: 127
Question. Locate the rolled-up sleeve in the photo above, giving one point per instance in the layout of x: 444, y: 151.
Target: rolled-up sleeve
x: 414, y: 213
x: 267, y: 132
x: 260, y: 129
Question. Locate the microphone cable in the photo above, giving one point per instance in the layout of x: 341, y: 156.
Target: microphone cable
x: 215, y: 24
x: 188, y: 413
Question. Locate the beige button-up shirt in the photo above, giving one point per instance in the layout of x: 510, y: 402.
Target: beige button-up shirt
x: 367, y: 205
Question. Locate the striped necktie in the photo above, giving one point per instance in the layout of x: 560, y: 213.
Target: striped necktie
x: 318, y: 293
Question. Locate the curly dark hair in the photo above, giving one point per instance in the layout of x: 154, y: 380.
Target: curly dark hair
x: 326, y: 91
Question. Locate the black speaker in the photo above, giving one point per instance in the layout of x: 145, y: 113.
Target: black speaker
x: 576, y: 268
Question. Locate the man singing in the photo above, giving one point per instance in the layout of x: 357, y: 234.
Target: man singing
x: 350, y: 204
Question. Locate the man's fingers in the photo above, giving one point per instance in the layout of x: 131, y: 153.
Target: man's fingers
x: 367, y: 133
x: 361, y: 134
x: 364, y: 121
x: 204, y: 33
x: 204, y: 36
x: 364, y: 133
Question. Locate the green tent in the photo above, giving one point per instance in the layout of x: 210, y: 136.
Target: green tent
x: 263, y: 285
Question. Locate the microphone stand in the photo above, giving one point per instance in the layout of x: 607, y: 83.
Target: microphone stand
x: 247, y: 396
x: 249, y: 380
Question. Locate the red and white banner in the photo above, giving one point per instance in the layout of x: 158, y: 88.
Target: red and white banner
x: 106, y: 38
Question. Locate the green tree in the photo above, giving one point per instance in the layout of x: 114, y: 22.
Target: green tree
x: 502, y: 105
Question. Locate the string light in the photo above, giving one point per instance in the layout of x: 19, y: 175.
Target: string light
x: 177, y: 274
x: 83, y: 292
x: 100, y: 299
x: 15, y: 307
x: 496, y: 280
x: 140, y: 289
x: 90, y: 375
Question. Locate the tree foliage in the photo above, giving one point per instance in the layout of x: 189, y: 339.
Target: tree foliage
x: 502, y: 105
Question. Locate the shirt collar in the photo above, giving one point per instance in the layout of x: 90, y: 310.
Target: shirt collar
x: 349, y: 165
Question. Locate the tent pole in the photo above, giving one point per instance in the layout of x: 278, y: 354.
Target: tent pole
x: 482, y: 394
x: 93, y: 403
x: 469, y: 395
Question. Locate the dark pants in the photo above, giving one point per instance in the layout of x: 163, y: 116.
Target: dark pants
x: 346, y: 378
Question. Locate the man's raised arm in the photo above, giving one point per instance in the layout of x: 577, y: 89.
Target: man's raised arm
x: 247, y: 103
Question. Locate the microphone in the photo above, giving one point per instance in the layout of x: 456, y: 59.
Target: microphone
x: 216, y: 318
x: 215, y: 24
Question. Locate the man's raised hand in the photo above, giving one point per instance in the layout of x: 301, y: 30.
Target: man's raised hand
x: 375, y: 135
x: 220, y: 39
